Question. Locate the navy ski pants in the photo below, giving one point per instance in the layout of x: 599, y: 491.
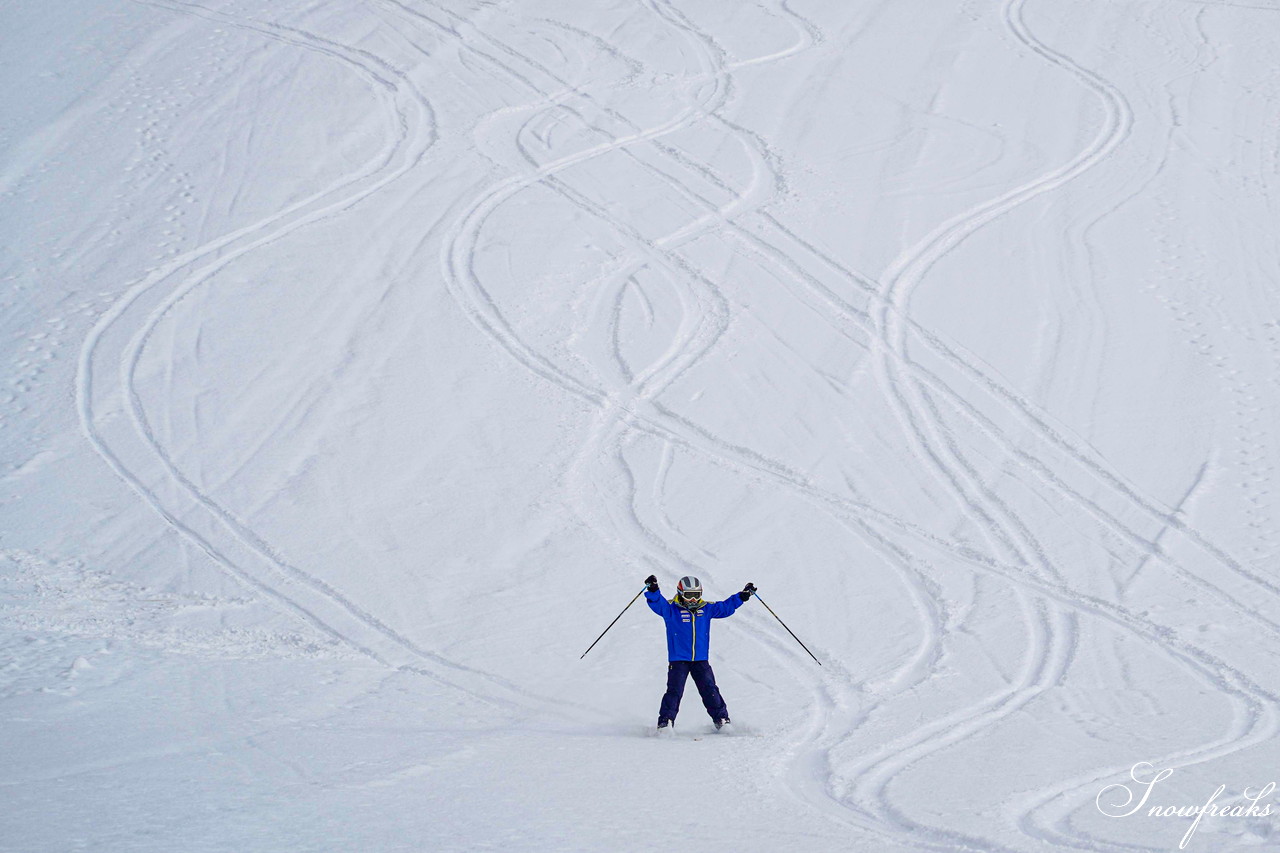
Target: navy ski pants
x: 703, y: 677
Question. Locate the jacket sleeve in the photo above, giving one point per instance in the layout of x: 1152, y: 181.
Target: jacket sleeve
x: 657, y: 603
x: 721, y: 609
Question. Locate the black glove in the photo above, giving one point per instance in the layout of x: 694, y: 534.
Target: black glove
x: 651, y: 583
x: 747, y: 591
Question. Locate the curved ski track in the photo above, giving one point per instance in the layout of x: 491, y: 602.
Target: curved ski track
x: 144, y: 464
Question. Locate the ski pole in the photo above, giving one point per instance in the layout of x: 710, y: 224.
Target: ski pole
x: 784, y: 625
x: 611, y: 624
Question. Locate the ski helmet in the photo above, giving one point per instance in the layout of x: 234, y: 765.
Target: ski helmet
x: 688, y: 591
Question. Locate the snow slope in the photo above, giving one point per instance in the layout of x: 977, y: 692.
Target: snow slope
x: 362, y: 357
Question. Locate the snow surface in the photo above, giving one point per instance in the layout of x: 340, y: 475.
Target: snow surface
x: 361, y: 357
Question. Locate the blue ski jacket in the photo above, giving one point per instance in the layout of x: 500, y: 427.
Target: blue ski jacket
x: 688, y: 631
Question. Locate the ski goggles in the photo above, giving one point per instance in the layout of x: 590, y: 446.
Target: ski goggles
x: 691, y: 596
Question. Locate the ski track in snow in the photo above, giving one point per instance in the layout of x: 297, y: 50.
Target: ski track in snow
x: 856, y: 794
x: 1048, y: 663
x: 185, y: 506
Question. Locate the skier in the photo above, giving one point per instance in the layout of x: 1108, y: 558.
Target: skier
x: 688, y: 620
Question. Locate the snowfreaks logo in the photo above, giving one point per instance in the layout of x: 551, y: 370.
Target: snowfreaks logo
x: 1118, y: 801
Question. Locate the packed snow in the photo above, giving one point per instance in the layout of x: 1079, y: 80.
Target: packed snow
x: 362, y: 357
